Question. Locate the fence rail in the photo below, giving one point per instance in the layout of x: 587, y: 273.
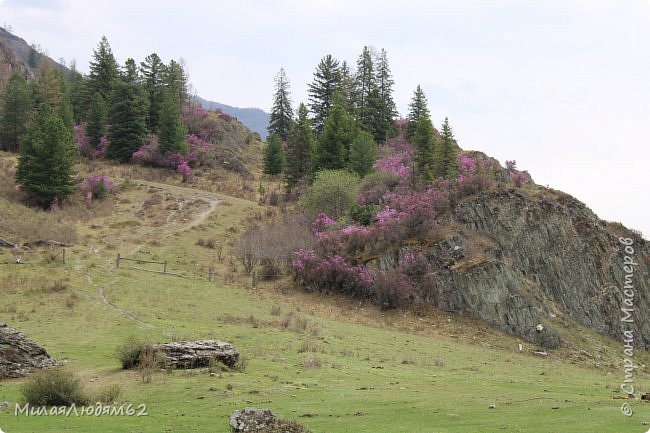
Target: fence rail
x: 140, y: 261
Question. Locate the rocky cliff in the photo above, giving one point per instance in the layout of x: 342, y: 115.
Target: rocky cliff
x: 19, y: 355
x: 531, y: 262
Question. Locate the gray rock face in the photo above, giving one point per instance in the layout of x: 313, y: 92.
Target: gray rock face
x: 518, y: 261
x: 251, y: 420
x: 19, y: 355
x: 195, y: 354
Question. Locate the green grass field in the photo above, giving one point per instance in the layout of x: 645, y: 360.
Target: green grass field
x: 319, y: 361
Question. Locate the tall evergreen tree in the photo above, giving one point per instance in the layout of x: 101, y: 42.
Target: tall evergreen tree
x: 49, y: 86
x: 299, y: 148
x: 363, y: 152
x: 345, y: 95
x: 424, y: 142
x: 173, y: 133
x: 152, y: 73
x: 365, y: 91
x: 417, y: 110
x: 321, y: 91
x: 386, y: 105
x: 103, y: 71
x: 126, y: 115
x: 175, y: 81
x: 332, y: 151
x: 77, y: 90
x: 281, y: 113
x: 447, y: 164
x: 130, y: 71
x: 47, y: 157
x: 274, y: 156
x: 96, y: 127
x: 16, y: 105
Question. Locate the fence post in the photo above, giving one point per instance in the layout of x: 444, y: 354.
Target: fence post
x: 165, y: 267
x: 117, y: 262
x: 254, y: 279
x: 210, y: 274
x: 64, y: 256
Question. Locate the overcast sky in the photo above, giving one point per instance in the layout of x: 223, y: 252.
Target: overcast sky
x: 560, y: 86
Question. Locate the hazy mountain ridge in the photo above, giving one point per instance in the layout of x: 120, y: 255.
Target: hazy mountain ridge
x: 254, y: 119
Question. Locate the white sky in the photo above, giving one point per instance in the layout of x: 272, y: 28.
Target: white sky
x: 561, y: 86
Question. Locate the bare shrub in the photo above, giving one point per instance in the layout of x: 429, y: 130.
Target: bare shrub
x: 108, y: 394
x: 129, y: 352
x: 54, y: 387
x: 148, y: 363
x: 308, y: 345
x: 314, y: 362
x: 276, y: 310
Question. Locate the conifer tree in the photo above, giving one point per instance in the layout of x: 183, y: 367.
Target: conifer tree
x: 365, y: 92
x: 103, y: 71
x: 274, y: 156
x: 332, y: 151
x: 130, y: 71
x: 175, y: 81
x: 126, y: 115
x: 15, y: 108
x: 281, y: 116
x: 299, y: 148
x: 47, y: 157
x: 345, y: 95
x: 417, y: 110
x: 386, y: 106
x: 173, y: 133
x: 446, y: 152
x: 424, y: 144
x: 96, y: 127
x: 49, y: 86
x: 152, y: 74
x: 327, y: 82
x: 363, y: 152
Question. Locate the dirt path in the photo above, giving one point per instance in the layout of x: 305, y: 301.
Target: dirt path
x: 186, y: 194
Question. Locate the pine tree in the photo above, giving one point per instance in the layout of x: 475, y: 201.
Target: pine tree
x: 15, y: 108
x: 175, y: 81
x: 103, y: 71
x: 49, y: 86
x: 345, y: 94
x: 96, y: 127
x: 363, y: 152
x: 332, y: 151
x: 386, y: 107
x: 274, y: 156
x: 34, y: 57
x: 446, y: 152
x: 126, y: 115
x: 365, y: 92
x: 424, y: 143
x: 173, y: 133
x: 281, y: 113
x: 417, y: 110
x: 77, y: 90
x: 152, y: 74
x: 47, y: 157
x: 299, y: 148
x: 327, y: 82
x: 130, y: 71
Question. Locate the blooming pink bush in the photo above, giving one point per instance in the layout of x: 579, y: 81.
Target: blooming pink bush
x: 200, y: 150
x: 184, y: 169
x: 148, y: 154
x: 322, y: 223
x: 331, y: 274
x: 83, y: 142
x: 520, y: 178
x: 96, y: 186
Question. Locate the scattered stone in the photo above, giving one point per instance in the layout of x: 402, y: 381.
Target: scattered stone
x: 492, y: 406
x: 6, y: 243
x: 195, y: 354
x: 4, y: 405
x: 19, y: 355
x: 541, y: 353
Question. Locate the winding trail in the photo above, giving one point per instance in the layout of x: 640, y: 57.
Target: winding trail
x: 196, y: 219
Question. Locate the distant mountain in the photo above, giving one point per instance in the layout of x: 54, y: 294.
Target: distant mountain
x: 254, y: 119
x: 16, y: 55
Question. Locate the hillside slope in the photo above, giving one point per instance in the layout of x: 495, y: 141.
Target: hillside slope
x: 255, y: 119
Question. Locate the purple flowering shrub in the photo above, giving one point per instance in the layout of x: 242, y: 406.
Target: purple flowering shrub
x: 96, y: 186
x: 331, y: 274
x: 519, y: 178
x: 85, y: 148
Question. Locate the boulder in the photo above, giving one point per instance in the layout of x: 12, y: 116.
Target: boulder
x: 19, y: 355
x: 251, y: 420
x: 195, y: 354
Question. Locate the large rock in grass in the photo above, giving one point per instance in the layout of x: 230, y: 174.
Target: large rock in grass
x: 19, y: 355
x: 252, y: 420
x: 195, y: 354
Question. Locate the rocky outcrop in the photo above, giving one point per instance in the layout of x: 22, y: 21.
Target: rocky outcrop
x: 531, y: 262
x: 195, y: 354
x: 252, y: 420
x: 19, y: 355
